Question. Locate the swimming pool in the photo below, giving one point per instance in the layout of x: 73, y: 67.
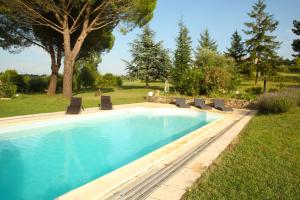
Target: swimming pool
x: 46, y: 159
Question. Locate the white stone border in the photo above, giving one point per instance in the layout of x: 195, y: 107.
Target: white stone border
x: 114, y: 182
x: 111, y: 183
x: 176, y: 185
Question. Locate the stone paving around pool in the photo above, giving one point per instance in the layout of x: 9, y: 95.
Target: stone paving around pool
x: 174, y: 187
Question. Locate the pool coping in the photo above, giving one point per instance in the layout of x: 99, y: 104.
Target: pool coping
x: 23, y: 119
x: 180, y: 181
x: 115, y: 181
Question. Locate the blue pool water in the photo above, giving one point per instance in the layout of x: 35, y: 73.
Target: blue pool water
x: 45, y: 162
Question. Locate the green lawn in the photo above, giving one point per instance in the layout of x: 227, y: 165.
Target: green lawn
x: 288, y: 74
x: 130, y: 92
x: 263, y: 163
x: 246, y: 84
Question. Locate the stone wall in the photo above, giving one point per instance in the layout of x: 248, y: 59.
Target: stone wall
x: 233, y: 103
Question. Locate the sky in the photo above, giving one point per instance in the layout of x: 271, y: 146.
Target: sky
x: 220, y: 17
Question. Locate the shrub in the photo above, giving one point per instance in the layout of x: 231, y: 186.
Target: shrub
x: 294, y: 69
x: 108, y: 80
x: 255, y: 90
x: 216, y: 78
x: 294, y: 91
x: 8, y: 90
x: 119, y: 81
x: 11, y: 77
x: 37, y: 84
x: 272, y: 90
x: 218, y: 72
x: 248, y: 97
x: 232, y: 95
x: 278, y: 102
x: 87, y: 76
x: 59, y: 85
x: 283, y: 68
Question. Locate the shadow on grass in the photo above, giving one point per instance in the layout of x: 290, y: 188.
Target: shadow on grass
x: 89, y: 90
x: 130, y: 87
x: 107, y: 90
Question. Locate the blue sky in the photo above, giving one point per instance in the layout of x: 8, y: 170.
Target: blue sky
x: 220, y: 17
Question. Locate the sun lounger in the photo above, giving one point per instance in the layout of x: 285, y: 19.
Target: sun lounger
x: 180, y: 102
x: 75, y: 106
x: 219, y: 104
x: 106, y: 103
x: 200, y: 103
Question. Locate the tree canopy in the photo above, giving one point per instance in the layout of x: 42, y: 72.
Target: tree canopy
x: 150, y: 61
x: 261, y: 44
x: 18, y: 36
x: 85, y: 72
x: 237, y: 49
x: 182, y: 58
x: 76, y: 19
x: 217, y: 72
x: 206, y: 42
x: 296, y: 42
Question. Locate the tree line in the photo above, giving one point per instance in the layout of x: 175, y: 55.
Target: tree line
x: 72, y: 31
x: 205, y: 70
x: 85, y: 76
x: 68, y: 30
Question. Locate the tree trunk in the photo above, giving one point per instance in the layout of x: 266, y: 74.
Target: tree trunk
x: 68, y: 76
x: 147, y: 83
x: 256, y: 65
x: 256, y: 77
x: 53, y: 81
x: 55, y: 66
x: 52, y: 85
x: 71, y: 54
x: 265, y: 85
x: 68, y: 66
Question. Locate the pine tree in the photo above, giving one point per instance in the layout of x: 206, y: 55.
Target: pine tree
x: 182, y: 58
x: 206, y: 42
x: 150, y: 60
x: 237, y: 50
x: 296, y: 42
x: 261, y: 45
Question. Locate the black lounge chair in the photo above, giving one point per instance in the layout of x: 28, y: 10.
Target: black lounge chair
x: 75, y: 106
x: 180, y: 102
x: 219, y: 104
x: 106, y: 103
x: 200, y: 103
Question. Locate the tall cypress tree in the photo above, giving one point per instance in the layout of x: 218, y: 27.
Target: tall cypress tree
x: 261, y: 45
x: 296, y: 42
x: 237, y: 50
x: 182, y: 58
x: 206, y: 42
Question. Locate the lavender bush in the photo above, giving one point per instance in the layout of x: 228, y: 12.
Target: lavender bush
x: 279, y: 102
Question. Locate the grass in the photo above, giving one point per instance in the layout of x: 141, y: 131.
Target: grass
x: 130, y: 92
x: 264, y: 163
x: 246, y: 84
x: 288, y: 74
